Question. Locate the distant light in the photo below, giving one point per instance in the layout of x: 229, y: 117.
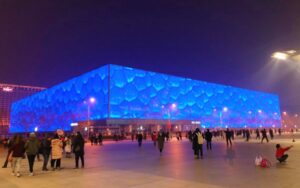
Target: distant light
x: 249, y: 112
x: 203, y: 126
x: 7, y: 89
x: 174, y: 105
x: 226, y: 126
x: 215, y: 110
x: 296, y: 115
x: 36, y: 129
x: 295, y: 126
x: 225, y: 109
x: 92, y: 100
x: 259, y: 111
x: 85, y: 129
x: 284, y: 113
x: 260, y: 126
x: 245, y: 126
x: 176, y: 127
x: 273, y: 126
x: 280, y: 55
x: 275, y: 113
x: 74, y: 124
x: 195, y: 122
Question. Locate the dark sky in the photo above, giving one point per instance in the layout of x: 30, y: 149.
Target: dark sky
x: 45, y: 42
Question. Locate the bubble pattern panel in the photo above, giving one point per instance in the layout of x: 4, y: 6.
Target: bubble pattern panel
x: 148, y: 95
x: 63, y: 104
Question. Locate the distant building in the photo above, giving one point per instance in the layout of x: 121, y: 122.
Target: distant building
x: 128, y: 99
x: 8, y: 94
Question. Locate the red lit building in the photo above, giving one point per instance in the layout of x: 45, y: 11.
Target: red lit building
x: 8, y: 94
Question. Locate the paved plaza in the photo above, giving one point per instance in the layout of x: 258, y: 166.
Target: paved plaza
x: 123, y: 164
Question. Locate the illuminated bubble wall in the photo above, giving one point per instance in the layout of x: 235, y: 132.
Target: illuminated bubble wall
x: 63, y: 104
x: 127, y: 93
x: 149, y: 95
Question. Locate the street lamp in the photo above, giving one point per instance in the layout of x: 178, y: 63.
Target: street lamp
x: 89, y: 102
x: 225, y: 109
x: 173, y: 106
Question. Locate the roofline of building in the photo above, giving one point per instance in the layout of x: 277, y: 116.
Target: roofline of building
x: 21, y: 86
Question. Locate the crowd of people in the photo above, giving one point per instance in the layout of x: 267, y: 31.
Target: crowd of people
x: 51, y: 148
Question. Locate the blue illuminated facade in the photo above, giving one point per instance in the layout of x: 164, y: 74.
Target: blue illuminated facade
x: 127, y: 93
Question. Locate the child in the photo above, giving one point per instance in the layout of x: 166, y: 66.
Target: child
x: 280, y: 156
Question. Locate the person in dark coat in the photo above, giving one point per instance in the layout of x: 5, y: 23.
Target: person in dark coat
x: 46, y: 149
x: 140, y: 139
x: 100, y: 139
x: 18, y: 151
x: 264, y: 135
x: 257, y: 134
x: 78, y: 149
x: 32, y: 149
x: 208, y: 138
x: 228, y: 135
x: 160, y: 141
x: 271, y: 133
x: 9, y: 146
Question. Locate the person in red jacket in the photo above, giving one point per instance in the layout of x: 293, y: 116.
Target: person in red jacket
x: 280, y: 156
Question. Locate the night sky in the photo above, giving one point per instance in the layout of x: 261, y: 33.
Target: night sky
x: 45, y: 42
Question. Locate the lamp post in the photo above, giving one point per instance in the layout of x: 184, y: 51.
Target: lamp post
x: 173, y: 106
x: 89, y: 102
x: 225, y: 109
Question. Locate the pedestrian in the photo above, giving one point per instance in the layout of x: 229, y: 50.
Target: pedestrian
x: 140, y: 139
x: 198, y: 141
x: 100, y: 139
x: 9, y: 145
x: 228, y: 135
x: 18, y: 151
x: 46, y: 149
x: 264, y: 135
x: 257, y: 134
x: 56, y: 152
x: 271, y: 133
x: 154, y: 138
x: 78, y: 149
x: 68, y: 147
x: 160, y: 141
x: 280, y: 156
x: 32, y: 149
x: 208, y: 138
x: 247, y: 135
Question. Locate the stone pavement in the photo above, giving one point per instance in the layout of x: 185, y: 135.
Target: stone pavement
x: 123, y: 164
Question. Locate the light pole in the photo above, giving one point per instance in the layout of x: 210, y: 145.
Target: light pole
x: 89, y: 102
x: 225, y: 109
x: 173, y: 106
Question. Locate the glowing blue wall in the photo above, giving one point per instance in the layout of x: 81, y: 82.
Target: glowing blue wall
x: 131, y: 93
x: 148, y: 95
x: 59, y: 106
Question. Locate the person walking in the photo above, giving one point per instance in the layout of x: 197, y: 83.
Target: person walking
x: 228, y: 135
x: 208, y: 138
x: 9, y: 145
x: 46, y: 149
x: 154, y: 138
x: 56, y: 152
x: 140, y: 139
x: 257, y: 134
x: 78, y: 149
x: 271, y: 133
x: 18, y: 151
x: 32, y: 149
x: 160, y: 141
x: 264, y: 135
x: 100, y: 139
x: 198, y: 141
